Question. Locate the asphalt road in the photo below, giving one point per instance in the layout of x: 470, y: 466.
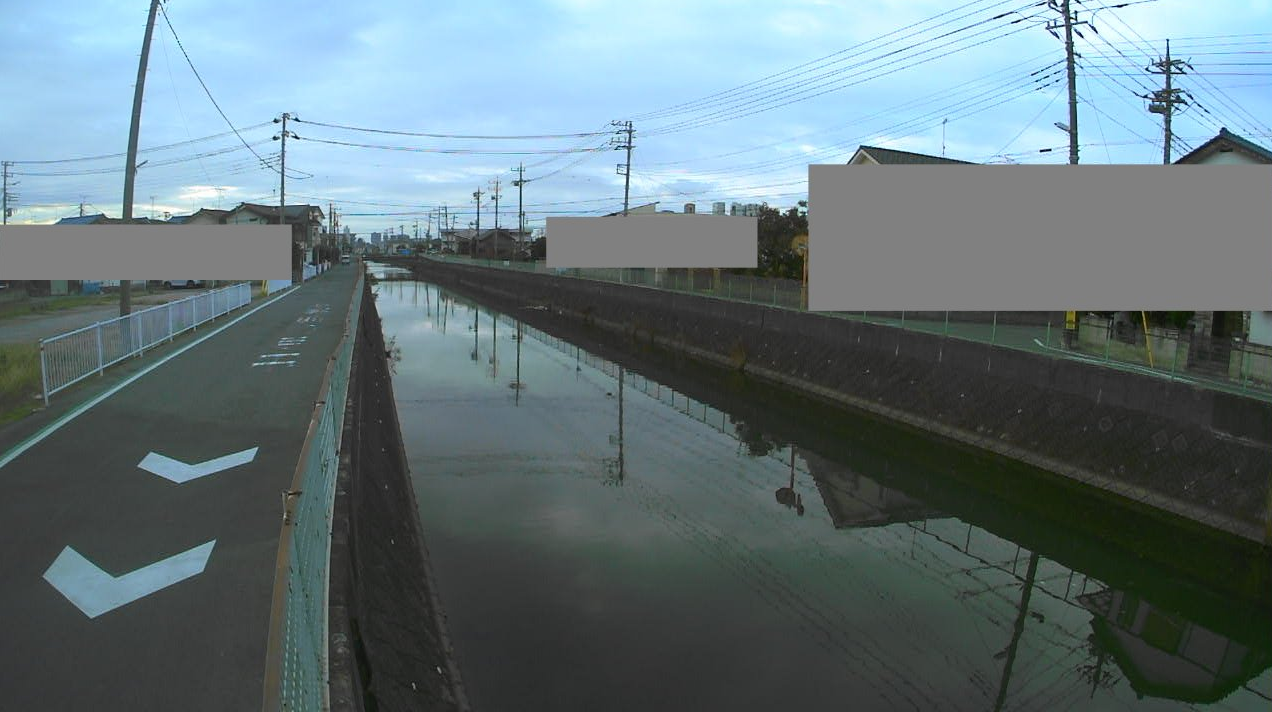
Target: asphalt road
x: 150, y: 632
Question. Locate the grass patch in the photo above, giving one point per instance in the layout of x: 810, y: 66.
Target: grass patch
x: 19, y: 379
x: 40, y: 305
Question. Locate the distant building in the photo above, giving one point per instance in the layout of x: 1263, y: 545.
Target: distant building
x: 646, y: 209
x: 717, y: 208
x: 750, y: 210
x: 690, y: 208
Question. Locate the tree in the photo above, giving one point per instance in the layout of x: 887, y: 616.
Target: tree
x: 776, y: 229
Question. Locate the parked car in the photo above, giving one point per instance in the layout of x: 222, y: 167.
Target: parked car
x: 179, y: 283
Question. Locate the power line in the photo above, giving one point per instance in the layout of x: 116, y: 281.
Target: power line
x: 207, y: 91
x: 586, y: 134
x: 814, y: 65
x: 452, y: 151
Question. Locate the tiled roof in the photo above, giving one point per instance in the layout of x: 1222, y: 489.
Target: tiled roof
x: 891, y: 156
x: 83, y: 219
x: 1225, y: 136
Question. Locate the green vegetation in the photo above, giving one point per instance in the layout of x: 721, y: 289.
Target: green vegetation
x: 776, y: 230
x: 19, y: 379
x: 39, y: 305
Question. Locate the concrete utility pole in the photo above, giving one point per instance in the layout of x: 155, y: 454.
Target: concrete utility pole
x: 495, y: 245
x: 282, y: 178
x: 1163, y: 101
x: 624, y: 169
x: 521, y: 215
x: 134, y: 129
x: 4, y: 192
x: 1062, y: 6
x: 477, y: 196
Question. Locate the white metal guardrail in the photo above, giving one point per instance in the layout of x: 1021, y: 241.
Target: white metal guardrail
x: 67, y: 359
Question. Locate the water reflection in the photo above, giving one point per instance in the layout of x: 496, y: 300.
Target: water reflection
x: 900, y: 589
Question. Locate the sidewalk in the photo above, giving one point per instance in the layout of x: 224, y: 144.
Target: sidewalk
x: 140, y: 531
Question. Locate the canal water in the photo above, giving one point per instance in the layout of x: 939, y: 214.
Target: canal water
x: 603, y: 541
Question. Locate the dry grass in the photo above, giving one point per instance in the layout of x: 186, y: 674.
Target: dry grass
x: 19, y: 379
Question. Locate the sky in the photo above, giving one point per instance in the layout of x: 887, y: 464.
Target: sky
x: 403, y: 107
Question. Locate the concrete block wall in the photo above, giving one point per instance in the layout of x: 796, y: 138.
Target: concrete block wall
x: 1202, y: 454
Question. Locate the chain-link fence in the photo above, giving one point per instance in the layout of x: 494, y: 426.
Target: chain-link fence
x: 1229, y: 364
x: 304, y: 672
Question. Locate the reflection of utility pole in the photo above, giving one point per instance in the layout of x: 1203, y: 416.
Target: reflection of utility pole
x: 787, y: 495
x: 1020, y: 622
x: 518, y: 382
x: 621, y: 464
x: 494, y: 346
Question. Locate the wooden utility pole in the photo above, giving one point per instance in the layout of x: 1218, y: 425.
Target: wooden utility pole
x: 477, y: 196
x: 521, y: 215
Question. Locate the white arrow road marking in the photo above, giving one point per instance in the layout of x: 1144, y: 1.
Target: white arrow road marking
x: 95, y: 592
x: 180, y: 472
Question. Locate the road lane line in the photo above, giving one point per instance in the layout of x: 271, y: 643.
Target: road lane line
x: 80, y: 409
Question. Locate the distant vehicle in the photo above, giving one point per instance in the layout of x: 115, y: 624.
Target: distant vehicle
x: 345, y: 258
x: 179, y: 283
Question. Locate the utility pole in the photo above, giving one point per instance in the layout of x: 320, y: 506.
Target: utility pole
x: 4, y: 193
x: 1062, y: 6
x: 1163, y: 101
x: 521, y: 215
x: 477, y: 196
x: 495, y: 244
x: 624, y: 169
x: 134, y: 129
x: 282, y: 179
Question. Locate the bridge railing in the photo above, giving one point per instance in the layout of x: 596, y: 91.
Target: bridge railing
x: 67, y: 359
x: 1241, y: 366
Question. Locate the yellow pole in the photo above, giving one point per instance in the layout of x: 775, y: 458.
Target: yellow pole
x: 1148, y: 344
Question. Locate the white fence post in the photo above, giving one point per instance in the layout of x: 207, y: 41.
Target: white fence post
x: 101, y: 361
x: 44, y: 373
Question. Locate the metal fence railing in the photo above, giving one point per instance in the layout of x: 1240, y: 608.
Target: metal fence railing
x: 69, y: 358
x: 303, y: 677
x: 1234, y: 365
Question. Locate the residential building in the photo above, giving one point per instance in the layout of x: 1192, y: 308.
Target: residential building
x: 1228, y: 148
x: 690, y: 208
x: 874, y: 155
x: 646, y: 209
x: 750, y: 210
x: 717, y: 208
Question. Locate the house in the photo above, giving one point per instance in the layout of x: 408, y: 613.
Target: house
x: 646, y: 209
x: 500, y: 243
x: 98, y: 219
x: 1163, y: 654
x: 876, y: 156
x: 203, y: 216
x: 1228, y: 148
x: 306, y: 220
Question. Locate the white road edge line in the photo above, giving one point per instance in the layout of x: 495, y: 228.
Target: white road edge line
x: 80, y: 409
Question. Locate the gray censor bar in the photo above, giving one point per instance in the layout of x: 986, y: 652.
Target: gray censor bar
x: 1040, y: 237
x: 109, y: 252
x: 653, y: 240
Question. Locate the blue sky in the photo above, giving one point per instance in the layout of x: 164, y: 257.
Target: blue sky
x: 730, y: 101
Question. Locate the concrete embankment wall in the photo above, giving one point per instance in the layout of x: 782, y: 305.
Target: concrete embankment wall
x: 1179, y: 449
x: 388, y: 644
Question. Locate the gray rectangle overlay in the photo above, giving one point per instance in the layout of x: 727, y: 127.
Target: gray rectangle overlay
x: 657, y: 240
x: 1025, y: 238
x: 111, y: 252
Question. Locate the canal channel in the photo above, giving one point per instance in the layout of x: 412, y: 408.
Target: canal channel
x: 635, y: 533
